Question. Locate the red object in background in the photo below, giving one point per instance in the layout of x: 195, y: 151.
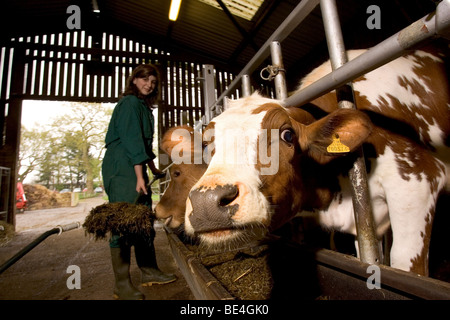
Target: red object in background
x: 21, y: 199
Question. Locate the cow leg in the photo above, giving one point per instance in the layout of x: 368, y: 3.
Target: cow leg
x: 411, y: 232
x: 411, y: 197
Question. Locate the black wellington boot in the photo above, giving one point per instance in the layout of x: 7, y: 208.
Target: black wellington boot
x: 146, y: 261
x: 124, y: 289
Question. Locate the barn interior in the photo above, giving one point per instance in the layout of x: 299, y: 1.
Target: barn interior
x: 107, y: 38
x: 50, y: 50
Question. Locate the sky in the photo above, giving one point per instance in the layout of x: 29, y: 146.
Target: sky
x: 41, y: 112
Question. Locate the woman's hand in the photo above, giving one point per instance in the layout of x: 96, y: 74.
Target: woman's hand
x: 140, y: 184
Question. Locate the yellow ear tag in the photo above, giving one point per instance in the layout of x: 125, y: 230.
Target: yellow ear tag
x: 337, y: 146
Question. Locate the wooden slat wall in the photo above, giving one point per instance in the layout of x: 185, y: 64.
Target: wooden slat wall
x: 70, y: 66
x: 73, y: 66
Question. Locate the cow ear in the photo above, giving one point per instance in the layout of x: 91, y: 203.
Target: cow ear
x: 180, y: 136
x: 344, y: 130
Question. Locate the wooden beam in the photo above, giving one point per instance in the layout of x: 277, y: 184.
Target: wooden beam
x: 10, y: 151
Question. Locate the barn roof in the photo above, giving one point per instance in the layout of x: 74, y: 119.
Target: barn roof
x: 209, y: 34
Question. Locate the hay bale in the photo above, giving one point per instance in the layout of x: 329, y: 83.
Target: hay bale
x: 39, y: 197
x: 7, y: 233
x: 120, y: 218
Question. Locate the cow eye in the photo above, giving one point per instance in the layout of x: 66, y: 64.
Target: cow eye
x: 176, y: 173
x: 287, y: 136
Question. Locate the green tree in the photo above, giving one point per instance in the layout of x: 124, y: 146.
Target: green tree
x: 69, y: 152
x: 51, y: 165
x: 87, y: 123
x: 34, y: 144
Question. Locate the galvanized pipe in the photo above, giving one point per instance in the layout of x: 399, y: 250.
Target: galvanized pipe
x: 393, y: 47
x: 208, y: 90
x: 38, y: 240
x: 246, y: 86
x: 300, y: 12
x: 365, y: 224
x: 280, y: 78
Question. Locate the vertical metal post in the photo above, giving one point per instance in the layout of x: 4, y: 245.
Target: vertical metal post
x: 208, y: 90
x: 280, y: 78
x: 246, y: 86
x: 365, y: 225
x: 225, y: 103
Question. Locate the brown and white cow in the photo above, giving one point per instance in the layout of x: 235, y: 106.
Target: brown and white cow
x: 242, y: 194
x: 185, y: 171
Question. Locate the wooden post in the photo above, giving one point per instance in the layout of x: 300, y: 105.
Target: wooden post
x: 10, y: 151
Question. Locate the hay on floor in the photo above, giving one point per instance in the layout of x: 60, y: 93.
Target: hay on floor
x: 7, y: 233
x: 244, y: 273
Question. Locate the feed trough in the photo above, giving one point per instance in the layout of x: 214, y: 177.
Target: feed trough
x: 315, y: 274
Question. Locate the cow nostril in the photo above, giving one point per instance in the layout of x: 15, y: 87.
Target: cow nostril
x: 228, y: 196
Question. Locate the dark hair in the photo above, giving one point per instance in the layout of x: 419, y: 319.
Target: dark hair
x: 143, y: 71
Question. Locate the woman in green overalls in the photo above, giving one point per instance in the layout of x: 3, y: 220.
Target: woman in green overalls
x: 128, y: 152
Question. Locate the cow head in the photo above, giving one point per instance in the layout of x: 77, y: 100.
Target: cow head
x: 261, y: 172
x: 188, y: 165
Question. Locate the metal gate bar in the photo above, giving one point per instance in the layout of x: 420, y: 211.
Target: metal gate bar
x: 300, y: 12
x: 364, y: 221
x: 277, y: 63
x: 246, y: 86
x: 431, y: 25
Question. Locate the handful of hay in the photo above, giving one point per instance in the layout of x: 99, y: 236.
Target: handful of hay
x: 120, y: 218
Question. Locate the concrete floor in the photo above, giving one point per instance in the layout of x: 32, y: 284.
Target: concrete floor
x: 43, y: 273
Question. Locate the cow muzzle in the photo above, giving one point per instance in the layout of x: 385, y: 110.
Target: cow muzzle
x: 213, y: 208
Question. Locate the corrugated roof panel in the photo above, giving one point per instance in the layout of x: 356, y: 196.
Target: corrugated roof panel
x: 205, y: 32
x: 242, y: 8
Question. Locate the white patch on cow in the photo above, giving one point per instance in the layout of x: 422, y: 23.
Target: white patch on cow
x: 423, y: 54
x: 187, y: 224
x: 339, y: 214
x: 436, y: 136
x: 236, y: 135
x: 409, y: 203
x: 388, y: 83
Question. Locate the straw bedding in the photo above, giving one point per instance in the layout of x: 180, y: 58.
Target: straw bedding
x: 273, y: 269
x: 244, y: 273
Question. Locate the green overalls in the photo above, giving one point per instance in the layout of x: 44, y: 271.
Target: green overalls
x: 128, y: 142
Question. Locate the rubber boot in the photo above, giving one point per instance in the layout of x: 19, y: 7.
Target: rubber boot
x: 146, y: 261
x: 124, y: 289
